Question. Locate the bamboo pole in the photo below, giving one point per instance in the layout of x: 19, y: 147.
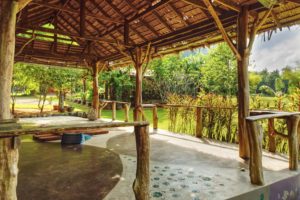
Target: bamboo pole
x: 255, y: 165
x: 271, y: 133
x: 155, y: 117
x: 199, y: 126
x: 114, y: 108
x: 142, y: 180
x: 292, y: 125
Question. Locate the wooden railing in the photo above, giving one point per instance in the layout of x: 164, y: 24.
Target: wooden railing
x: 11, y: 129
x: 255, y: 134
x: 126, y: 107
x: 198, y: 114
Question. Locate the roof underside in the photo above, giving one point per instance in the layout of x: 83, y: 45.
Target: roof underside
x: 104, y: 29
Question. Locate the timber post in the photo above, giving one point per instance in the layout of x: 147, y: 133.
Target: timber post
x: 114, y: 108
x: 126, y: 110
x: 199, y: 126
x: 137, y: 59
x: 271, y: 133
x: 9, y: 154
x: 255, y: 165
x: 95, y: 74
x: 142, y: 180
x: 292, y: 125
x: 155, y: 117
x: 243, y: 81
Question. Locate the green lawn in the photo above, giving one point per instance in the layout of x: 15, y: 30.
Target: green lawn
x: 162, y: 114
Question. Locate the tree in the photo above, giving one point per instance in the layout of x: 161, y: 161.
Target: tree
x: 254, y: 80
x: 21, y: 83
x: 293, y: 77
x: 218, y: 73
x: 176, y: 74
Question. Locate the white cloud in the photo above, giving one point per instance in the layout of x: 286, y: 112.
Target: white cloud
x: 283, y: 49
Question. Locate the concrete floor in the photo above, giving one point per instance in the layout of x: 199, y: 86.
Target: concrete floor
x: 182, y: 167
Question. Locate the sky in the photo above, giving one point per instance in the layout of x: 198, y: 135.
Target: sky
x: 282, y: 50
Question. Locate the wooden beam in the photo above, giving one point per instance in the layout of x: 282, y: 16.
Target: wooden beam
x: 276, y: 19
x: 22, y: 4
x: 197, y: 3
x: 186, y: 23
x: 139, y: 15
x: 126, y: 33
x: 221, y: 28
x: 63, y: 9
x: 86, y: 37
x: 295, y: 1
x: 256, y: 26
x: 229, y: 4
x: 82, y: 17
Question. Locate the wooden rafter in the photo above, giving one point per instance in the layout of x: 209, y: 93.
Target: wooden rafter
x: 185, y: 22
x: 276, y: 19
x: 221, y: 28
x: 58, y: 7
x: 139, y: 15
x: 22, y: 4
x: 256, y: 26
x: 91, y: 38
x: 229, y: 4
x: 82, y: 17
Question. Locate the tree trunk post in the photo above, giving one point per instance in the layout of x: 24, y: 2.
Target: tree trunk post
x: 95, y: 103
x: 138, y: 84
x: 292, y: 125
x: 271, y: 133
x: 142, y: 180
x: 114, y: 108
x: 255, y: 165
x: 126, y: 110
x: 84, y: 90
x: 243, y: 81
x: 61, y: 101
x: 199, y: 126
x: 155, y: 117
x: 9, y: 154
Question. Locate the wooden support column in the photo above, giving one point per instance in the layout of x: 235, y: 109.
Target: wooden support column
x: 243, y: 81
x: 199, y: 125
x: 95, y: 103
x: 271, y: 133
x: 255, y: 165
x: 114, y: 109
x: 9, y: 154
x: 155, y: 117
x: 292, y: 125
x: 126, y: 110
x: 137, y: 59
x: 142, y: 180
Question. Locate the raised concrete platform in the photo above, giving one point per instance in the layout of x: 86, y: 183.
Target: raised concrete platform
x: 184, y: 167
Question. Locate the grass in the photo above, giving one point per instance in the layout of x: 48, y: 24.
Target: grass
x: 163, y: 121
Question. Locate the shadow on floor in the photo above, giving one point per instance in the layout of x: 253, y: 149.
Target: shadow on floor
x: 48, y: 171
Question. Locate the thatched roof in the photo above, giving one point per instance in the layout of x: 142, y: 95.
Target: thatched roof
x: 105, y: 29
